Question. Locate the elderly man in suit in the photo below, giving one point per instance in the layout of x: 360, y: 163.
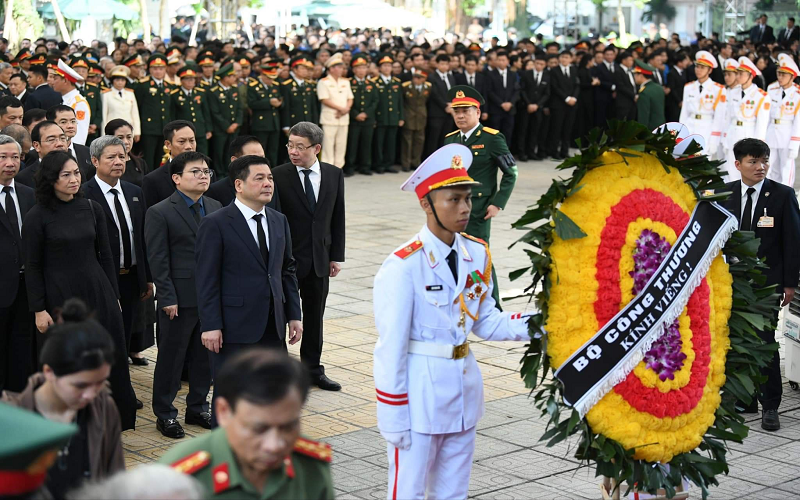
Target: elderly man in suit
x: 46, y: 136
x: 245, y: 272
x: 170, y: 231
x: 18, y: 358
x: 312, y: 197
x: 124, y: 205
x: 179, y: 136
x: 770, y: 210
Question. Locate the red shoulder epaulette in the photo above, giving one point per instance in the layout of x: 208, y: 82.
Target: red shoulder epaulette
x: 314, y: 449
x: 409, y: 249
x: 192, y: 463
x: 473, y: 238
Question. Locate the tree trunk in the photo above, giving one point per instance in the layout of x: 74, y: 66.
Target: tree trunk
x: 600, y: 20
x: 620, y: 20
x: 61, y: 24
x: 162, y: 10
x: 10, y: 27
x: 145, y: 21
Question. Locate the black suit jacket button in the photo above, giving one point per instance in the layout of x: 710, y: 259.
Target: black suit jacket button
x: 269, y: 276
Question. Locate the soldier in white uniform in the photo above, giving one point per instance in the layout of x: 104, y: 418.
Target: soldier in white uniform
x: 747, y: 115
x: 428, y: 296
x: 783, y: 131
x: 732, y: 93
x: 703, y: 102
x: 63, y: 78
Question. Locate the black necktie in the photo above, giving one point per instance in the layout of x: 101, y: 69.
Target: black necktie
x: 742, y: 94
x: 783, y: 94
x: 701, y: 89
x: 747, y: 217
x: 196, y: 213
x: 451, y: 262
x: 11, y: 210
x: 471, y: 81
x: 120, y: 93
x: 312, y: 201
x: 125, y: 232
x: 262, y: 238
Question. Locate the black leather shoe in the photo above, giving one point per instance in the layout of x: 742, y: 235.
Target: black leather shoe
x: 770, y: 420
x: 139, y: 404
x: 326, y: 384
x: 379, y: 172
x: 170, y: 428
x: 536, y: 158
x: 202, y: 419
x: 365, y: 172
x: 348, y: 173
x: 392, y: 170
x: 521, y: 157
x: 139, y: 361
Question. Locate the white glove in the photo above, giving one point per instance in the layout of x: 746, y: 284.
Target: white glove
x: 400, y: 440
x: 792, y: 154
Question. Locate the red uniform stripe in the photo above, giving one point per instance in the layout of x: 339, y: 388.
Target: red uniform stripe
x: 399, y: 402
x: 391, y: 396
x: 396, y: 472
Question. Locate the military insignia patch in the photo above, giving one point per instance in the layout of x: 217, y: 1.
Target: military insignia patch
x: 80, y: 115
x: 192, y: 463
x: 408, y: 250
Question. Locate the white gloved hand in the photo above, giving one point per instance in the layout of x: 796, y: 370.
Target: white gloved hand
x: 400, y: 440
x: 792, y: 154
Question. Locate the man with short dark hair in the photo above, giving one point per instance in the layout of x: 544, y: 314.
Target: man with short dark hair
x: 11, y: 111
x: 761, y: 32
x: 312, y: 197
x: 564, y: 94
x: 245, y: 271
x: 46, y: 136
x: 625, y: 87
x: 170, y: 231
x: 42, y: 96
x: 178, y: 137
x: 64, y: 116
x: 18, y: 86
x: 224, y: 190
x: 789, y: 34
x: 440, y: 115
x: 261, y: 397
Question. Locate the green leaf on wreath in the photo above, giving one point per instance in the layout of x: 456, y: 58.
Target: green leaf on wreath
x: 566, y: 229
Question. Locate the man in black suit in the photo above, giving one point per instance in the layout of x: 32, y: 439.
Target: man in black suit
x: 18, y: 359
x: 503, y: 91
x: 770, y: 210
x: 42, y: 96
x: 18, y: 87
x: 124, y: 205
x: 170, y: 230
x: 676, y: 80
x: 472, y: 77
x: 46, y: 136
x: 564, y: 93
x: 223, y: 190
x: 626, y: 89
x: 440, y: 114
x: 761, y: 33
x: 64, y: 116
x: 312, y: 196
x: 604, y: 93
x: 179, y: 136
x: 789, y: 34
x: 245, y: 272
x: 535, y: 95
x: 11, y: 111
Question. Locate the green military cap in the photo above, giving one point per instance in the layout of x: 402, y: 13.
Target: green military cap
x: 643, y: 68
x: 385, y: 58
x: 156, y: 59
x: 301, y: 59
x: 359, y: 60
x: 189, y: 71
x: 95, y: 69
x: 462, y: 96
x: 134, y: 60
x: 78, y: 62
x: 91, y: 56
x: 29, y: 447
x: 226, y: 70
x: 637, y: 46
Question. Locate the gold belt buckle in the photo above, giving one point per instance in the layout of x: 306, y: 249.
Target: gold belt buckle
x: 698, y: 117
x: 461, y: 351
x: 739, y: 124
x: 777, y: 121
x: 124, y: 271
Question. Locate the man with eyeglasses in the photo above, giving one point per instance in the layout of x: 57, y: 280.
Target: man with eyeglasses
x: 46, y: 136
x: 179, y: 137
x: 170, y: 230
x: 123, y: 203
x: 65, y: 117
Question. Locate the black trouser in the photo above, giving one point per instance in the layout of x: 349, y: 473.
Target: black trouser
x: 435, y: 131
x: 772, y: 390
x: 359, y: 146
x: 180, y: 340
x: 270, y: 339
x: 527, y: 133
x: 152, y: 148
x: 18, y: 351
x: 132, y: 306
x: 561, y: 120
x: 270, y: 142
x: 385, y: 148
x: 504, y: 122
x: 313, y: 295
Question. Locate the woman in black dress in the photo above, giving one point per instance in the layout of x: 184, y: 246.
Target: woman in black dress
x: 584, y: 119
x: 68, y: 255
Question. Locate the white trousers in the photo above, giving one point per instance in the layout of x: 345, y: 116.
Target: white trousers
x: 729, y: 168
x: 334, y: 144
x: 438, y: 465
x: 781, y: 167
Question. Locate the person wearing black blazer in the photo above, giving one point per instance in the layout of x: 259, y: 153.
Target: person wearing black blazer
x: 223, y: 190
x: 761, y: 32
x: 47, y: 136
x: 625, y: 87
x: 312, y: 196
x: 564, y: 92
x: 245, y: 272
x: 604, y: 93
x: 178, y: 137
x: 676, y: 80
x: 472, y: 77
x: 503, y: 91
x: 788, y: 34
x: 170, y: 231
x: 84, y: 158
x: 770, y: 210
x: 124, y: 207
x: 18, y: 342
x: 535, y: 96
x: 440, y: 118
x: 42, y: 96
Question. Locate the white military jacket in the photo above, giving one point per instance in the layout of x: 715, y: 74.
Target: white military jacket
x: 416, y: 298
x: 747, y: 116
x: 783, y: 131
x: 703, y: 111
x: 83, y: 114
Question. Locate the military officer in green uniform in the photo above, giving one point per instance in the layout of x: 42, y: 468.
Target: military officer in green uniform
x: 226, y: 116
x: 299, y: 93
x: 136, y: 64
x: 206, y: 63
x: 92, y: 94
x: 389, y: 116
x: 96, y: 76
x: 264, y: 98
x: 190, y: 103
x: 650, y: 104
x: 257, y: 452
x: 415, y: 104
x: 153, y: 97
x: 362, y: 118
x: 490, y: 155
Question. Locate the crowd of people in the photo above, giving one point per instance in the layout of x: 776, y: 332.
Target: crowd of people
x: 211, y: 179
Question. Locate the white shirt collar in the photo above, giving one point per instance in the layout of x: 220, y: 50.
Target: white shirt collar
x: 471, y: 131
x: 441, y: 75
x: 71, y: 94
x: 298, y: 80
x: 105, y: 187
x: 386, y: 79
x: 158, y: 82
x: 22, y: 94
x: 13, y: 188
x: 314, y: 168
x: 441, y: 248
x: 247, y: 211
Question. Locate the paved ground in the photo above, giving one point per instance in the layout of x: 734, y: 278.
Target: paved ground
x: 509, y: 461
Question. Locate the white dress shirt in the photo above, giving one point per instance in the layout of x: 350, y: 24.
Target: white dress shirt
x: 470, y: 78
x: 315, y: 176
x: 251, y: 222
x: 16, y: 202
x: 504, y: 75
x: 21, y: 95
x: 444, y: 77
x: 755, y: 200
x: 469, y: 133
x: 109, y: 196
